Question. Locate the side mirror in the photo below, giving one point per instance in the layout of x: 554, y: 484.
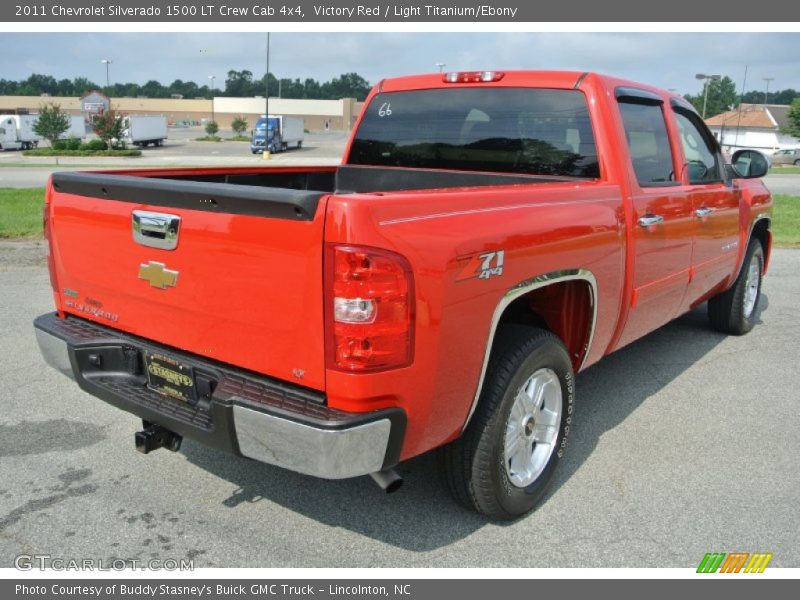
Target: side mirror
x: 749, y: 164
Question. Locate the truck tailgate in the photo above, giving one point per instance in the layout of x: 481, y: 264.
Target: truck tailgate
x: 243, y: 284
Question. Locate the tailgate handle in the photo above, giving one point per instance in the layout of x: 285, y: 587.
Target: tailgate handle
x: 156, y: 230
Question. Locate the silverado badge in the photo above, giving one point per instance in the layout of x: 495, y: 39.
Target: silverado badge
x: 158, y: 275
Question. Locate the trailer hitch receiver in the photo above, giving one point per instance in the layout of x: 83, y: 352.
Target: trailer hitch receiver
x: 153, y: 437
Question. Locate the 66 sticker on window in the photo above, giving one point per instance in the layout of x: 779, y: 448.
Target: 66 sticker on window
x: 482, y: 265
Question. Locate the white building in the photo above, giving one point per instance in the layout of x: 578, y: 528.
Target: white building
x: 755, y: 126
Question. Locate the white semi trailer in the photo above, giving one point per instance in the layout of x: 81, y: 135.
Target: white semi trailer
x: 16, y: 132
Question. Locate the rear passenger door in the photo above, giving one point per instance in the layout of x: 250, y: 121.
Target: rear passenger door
x: 715, y: 208
x: 662, y: 215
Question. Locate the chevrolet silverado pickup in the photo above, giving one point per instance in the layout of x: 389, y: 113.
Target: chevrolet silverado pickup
x: 487, y: 236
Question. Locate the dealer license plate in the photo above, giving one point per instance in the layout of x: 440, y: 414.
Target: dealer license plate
x: 170, y: 377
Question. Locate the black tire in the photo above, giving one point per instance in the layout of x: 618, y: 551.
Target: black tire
x: 797, y: 163
x: 727, y: 311
x: 473, y: 466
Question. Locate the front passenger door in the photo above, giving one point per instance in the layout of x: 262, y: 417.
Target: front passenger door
x: 715, y: 208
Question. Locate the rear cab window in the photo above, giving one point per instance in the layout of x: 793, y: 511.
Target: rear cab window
x: 502, y: 130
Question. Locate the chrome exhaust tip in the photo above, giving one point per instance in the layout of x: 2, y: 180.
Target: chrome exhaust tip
x: 388, y: 480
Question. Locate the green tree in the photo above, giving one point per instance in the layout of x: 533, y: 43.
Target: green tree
x: 348, y: 85
x: 52, y: 122
x: 721, y: 97
x: 786, y: 96
x: 239, y: 83
x: 794, y: 119
x: 154, y: 89
x: 81, y: 86
x: 239, y: 125
x: 311, y: 89
x: 212, y: 128
x: 108, y: 127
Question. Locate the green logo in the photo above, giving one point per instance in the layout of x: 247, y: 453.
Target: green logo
x: 735, y: 562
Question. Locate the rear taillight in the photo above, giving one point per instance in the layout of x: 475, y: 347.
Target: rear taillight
x: 48, y: 239
x: 473, y: 76
x: 369, y: 296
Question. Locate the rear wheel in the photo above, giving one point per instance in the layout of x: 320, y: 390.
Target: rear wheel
x: 797, y: 163
x: 734, y: 310
x: 506, y: 458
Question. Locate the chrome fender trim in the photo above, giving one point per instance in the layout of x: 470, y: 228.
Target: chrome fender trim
x: 521, y: 289
x: 743, y: 249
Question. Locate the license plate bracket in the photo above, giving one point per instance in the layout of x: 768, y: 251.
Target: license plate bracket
x: 170, y: 377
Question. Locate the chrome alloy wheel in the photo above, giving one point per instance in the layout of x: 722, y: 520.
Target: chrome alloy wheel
x: 751, y: 286
x: 532, y: 427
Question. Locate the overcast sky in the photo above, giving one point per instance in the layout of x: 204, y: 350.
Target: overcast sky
x: 667, y: 60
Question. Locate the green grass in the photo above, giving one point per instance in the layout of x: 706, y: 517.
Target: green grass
x: 238, y: 138
x: 54, y: 152
x: 784, y: 171
x: 21, y: 215
x: 786, y: 220
x: 21, y: 212
x: 208, y: 138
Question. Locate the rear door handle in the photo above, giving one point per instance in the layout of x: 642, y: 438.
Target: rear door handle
x: 703, y: 212
x: 651, y: 220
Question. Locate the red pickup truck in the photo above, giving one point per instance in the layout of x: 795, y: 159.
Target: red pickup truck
x: 487, y: 236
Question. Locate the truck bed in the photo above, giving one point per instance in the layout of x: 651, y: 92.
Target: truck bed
x: 244, y: 283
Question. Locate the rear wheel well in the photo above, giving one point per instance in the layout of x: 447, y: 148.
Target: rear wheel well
x: 563, y: 308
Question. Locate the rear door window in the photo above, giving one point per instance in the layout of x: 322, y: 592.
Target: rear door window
x: 648, y: 143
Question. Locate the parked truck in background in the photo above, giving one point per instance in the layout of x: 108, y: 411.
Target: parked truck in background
x: 277, y: 134
x: 144, y: 130
x: 488, y: 235
x: 77, y: 128
x: 16, y: 132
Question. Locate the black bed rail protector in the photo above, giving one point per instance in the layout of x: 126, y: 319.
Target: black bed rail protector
x: 365, y: 179
x: 273, y: 202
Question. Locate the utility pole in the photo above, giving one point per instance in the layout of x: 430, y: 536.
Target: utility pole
x: 705, y: 88
x: 107, y: 62
x: 265, y: 155
x: 766, y: 92
x: 212, y: 78
x: 441, y: 66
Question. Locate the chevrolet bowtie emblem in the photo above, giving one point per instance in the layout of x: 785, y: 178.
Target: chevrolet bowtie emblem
x: 158, y: 275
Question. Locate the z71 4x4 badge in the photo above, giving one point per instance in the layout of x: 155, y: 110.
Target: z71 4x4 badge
x: 482, y: 266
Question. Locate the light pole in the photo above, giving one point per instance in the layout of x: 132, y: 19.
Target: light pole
x: 705, y: 77
x: 766, y: 92
x: 441, y: 67
x: 212, y: 78
x: 266, y: 106
x: 106, y: 62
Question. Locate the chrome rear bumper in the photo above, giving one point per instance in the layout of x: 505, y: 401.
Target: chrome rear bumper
x: 257, y: 417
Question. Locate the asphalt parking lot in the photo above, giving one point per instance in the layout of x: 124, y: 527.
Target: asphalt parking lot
x: 685, y: 442
x: 180, y: 149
